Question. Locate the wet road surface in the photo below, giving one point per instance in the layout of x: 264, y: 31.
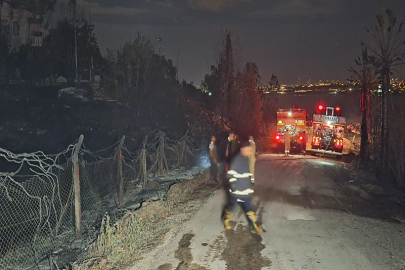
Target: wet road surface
x: 307, y: 224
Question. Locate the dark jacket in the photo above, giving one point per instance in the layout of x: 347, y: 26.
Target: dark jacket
x: 233, y: 150
x: 239, y: 176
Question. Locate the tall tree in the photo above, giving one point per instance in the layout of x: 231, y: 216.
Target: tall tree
x: 221, y: 79
x: 246, y: 101
x: 387, y: 52
x: 226, y: 74
x: 365, y: 73
x: 60, y: 50
x: 211, y: 83
x: 134, y: 67
x: 234, y: 93
x: 274, y: 82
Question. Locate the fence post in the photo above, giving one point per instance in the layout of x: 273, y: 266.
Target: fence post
x: 120, y: 178
x: 143, y: 169
x: 163, y: 160
x: 76, y: 182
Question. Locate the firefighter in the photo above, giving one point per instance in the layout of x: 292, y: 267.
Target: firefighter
x: 213, y: 159
x: 252, y: 158
x: 287, y: 141
x: 232, y: 150
x: 240, y: 189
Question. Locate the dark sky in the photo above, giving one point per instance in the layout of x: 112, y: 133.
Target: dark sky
x: 316, y: 39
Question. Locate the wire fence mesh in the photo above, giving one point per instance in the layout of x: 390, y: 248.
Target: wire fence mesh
x: 37, y: 193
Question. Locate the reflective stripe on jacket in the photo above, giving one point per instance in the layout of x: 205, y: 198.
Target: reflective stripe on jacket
x: 240, y: 177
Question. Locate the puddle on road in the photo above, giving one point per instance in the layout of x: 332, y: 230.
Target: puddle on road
x: 240, y: 249
x: 183, y: 254
x: 243, y: 250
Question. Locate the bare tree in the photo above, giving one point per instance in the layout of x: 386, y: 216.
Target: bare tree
x: 226, y: 79
x: 132, y: 67
x: 274, y: 82
x: 366, y: 74
x: 220, y: 81
x: 234, y: 91
x: 247, y: 102
x: 387, y: 52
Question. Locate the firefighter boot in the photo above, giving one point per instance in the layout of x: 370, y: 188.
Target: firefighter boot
x: 226, y: 216
x: 254, y: 227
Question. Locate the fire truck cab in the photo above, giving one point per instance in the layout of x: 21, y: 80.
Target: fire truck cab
x: 328, y: 131
x: 291, y: 120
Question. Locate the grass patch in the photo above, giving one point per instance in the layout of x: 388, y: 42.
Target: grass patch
x: 121, y: 243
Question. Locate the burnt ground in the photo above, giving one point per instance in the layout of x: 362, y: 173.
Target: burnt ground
x: 35, y: 118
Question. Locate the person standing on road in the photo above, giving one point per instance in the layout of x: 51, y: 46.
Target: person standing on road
x: 240, y: 190
x: 237, y: 139
x: 252, y: 158
x: 287, y: 141
x: 213, y: 159
x: 232, y: 149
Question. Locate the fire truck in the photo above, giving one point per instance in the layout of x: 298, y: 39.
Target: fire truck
x: 328, y: 128
x: 291, y: 120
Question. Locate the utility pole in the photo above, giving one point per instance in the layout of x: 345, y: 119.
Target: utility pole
x: 159, y: 40
x: 177, y: 73
x: 91, y: 69
x: 75, y: 24
x: 91, y: 59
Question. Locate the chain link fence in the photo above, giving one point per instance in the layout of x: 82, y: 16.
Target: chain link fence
x: 40, y: 200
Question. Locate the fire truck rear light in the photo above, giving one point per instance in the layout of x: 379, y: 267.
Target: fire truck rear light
x: 337, y: 109
x: 277, y: 137
x: 320, y: 107
x: 301, y: 138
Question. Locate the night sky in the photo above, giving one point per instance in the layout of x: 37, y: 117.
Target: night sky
x: 316, y: 39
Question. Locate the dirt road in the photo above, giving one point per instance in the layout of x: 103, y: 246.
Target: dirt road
x: 309, y: 222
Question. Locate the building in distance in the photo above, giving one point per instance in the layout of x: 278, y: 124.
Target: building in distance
x: 20, y: 26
